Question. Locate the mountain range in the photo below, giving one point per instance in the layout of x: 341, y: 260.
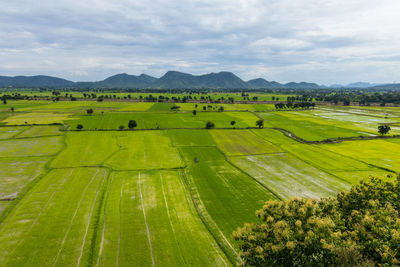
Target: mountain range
x: 170, y: 80
x: 173, y: 80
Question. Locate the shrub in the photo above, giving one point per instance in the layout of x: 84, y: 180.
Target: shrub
x: 357, y: 228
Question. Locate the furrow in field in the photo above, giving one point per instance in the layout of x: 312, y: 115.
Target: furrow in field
x: 73, y: 217
x: 289, y: 177
x: 119, y: 228
x: 155, y: 212
x: 225, y: 196
x: 38, y: 216
x: 145, y: 221
x: 89, y: 220
x: 46, y: 226
x: 104, y: 222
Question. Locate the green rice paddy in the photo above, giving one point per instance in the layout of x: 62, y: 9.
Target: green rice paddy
x: 169, y: 192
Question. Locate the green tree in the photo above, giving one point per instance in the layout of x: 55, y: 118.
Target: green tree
x: 12, y: 109
x: 233, y: 123
x: 194, y: 112
x: 210, y: 125
x: 383, y: 129
x: 260, y: 123
x: 121, y: 127
x: 4, y: 101
x: 357, y: 228
x: 132, y: 124
x: 79, y: 126
x: 89, y: 111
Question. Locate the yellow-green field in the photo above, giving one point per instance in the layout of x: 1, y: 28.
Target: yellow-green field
x: 168, y: 192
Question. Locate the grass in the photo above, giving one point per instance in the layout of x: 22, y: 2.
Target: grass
x: 144, y: 150
x: 169, y: 197
x: 307, y: 127
x: 15, y: 173
x: 39, y: 131
x: 161, y: 107
x: 86, y: 149
x: 191, y: 137
x: 36, y: 118
x: 244, y: 142
x: 136, y: 106
x: 8, y: 132
x: 289, y: 177
x: 226, y: 197
x: 118, y: 150
x: 379, y: 153
x: 176, y: 234
x: 154, y: 120
x: 53, y: 224
x: 31, y: 147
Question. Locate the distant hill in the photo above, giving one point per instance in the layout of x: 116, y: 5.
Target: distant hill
x: 34, y: 81
x: 302, y: 85
x: 354, y: 85
x: 175, y: 79
x: 170, y: 80
x: 391, y: 86
x: 121, y: 81
x: 262, y: 83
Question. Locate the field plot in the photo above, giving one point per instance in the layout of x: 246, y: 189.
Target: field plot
x: 144, y: 120
x: 61, y: 107
x: 215, y: 107
x: 135, y: 106
x: 42, y: 146
x: 191, y: 137
x: 289, y: 177
x: 226, y: 197
x: 154, y: 120
x: 247, y: 118
x: 36, y: 118
x: 346, y: 168
x: 21, y: 105
x: 153, y: 209
x: 274, y: 136
x: 53, y: 225
x: 243, y: 142
x: 8, y: 132
x: 381, y: 153
x: 307, y: 127
x: 359, y: 122
x: 15, y: 173
x: 144, y: 150
x: 86, y: 149
x: 161, y: 107
x: 37, y: 131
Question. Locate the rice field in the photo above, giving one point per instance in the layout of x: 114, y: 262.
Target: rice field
x: 169, y: 192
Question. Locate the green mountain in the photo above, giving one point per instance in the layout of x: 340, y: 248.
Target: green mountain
x: 121, y: 81
x: 170, y: 80
x: 34, y: 81
x: 178, y: 80
x: 261, y: 83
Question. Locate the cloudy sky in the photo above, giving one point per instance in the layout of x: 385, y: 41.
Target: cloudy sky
x: 323, y: 41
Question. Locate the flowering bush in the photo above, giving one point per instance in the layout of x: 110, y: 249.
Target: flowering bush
x: 357, y: 228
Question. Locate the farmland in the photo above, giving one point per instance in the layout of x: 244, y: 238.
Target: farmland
x: 169, y: 191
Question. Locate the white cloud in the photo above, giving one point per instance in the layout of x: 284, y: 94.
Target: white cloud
x: 323, y: 41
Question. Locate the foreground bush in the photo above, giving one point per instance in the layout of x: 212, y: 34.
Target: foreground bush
x: 357, y: 228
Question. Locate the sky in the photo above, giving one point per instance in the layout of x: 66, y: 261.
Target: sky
x: 327, y: 42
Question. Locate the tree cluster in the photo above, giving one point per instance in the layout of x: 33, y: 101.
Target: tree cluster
x: 357, y: 228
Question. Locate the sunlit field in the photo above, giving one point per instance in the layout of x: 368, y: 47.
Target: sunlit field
x: 169, y: 191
